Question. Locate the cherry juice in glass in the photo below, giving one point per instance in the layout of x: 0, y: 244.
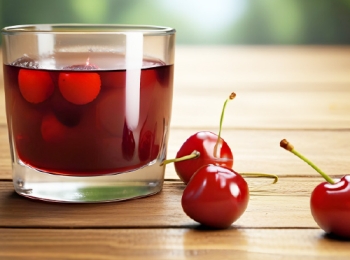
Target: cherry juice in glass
x: 73, y: 121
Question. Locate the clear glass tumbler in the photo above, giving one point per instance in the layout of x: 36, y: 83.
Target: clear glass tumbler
x: 88, y: 109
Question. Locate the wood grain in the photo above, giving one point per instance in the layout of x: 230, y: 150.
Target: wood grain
x: 285, y: 204
x: 277, y: 87
x: 259, y: 150
x: 170, y: 244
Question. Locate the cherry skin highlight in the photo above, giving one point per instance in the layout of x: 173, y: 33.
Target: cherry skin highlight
x: 215, y: 196
x: 204, y: 143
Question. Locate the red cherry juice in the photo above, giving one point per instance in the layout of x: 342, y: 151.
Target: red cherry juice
x: 73, y: 122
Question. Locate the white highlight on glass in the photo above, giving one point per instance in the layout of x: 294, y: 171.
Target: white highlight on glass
x: 133, y: 64
x: 46, y: 47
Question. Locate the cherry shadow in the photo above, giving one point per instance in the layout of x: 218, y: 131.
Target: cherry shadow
x: 332, y: 236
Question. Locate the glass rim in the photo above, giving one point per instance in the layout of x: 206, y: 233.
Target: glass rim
x: 76, y: 28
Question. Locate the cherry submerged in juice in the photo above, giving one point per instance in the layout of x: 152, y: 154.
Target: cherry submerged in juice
x: 74, y: 122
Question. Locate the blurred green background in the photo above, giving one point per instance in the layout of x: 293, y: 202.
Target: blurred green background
x: 201, y: 21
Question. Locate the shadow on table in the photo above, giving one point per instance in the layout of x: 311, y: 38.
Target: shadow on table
x: 162, y: 210
x: 335, y: 237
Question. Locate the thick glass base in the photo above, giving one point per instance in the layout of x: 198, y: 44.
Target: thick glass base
x: 35, y: 184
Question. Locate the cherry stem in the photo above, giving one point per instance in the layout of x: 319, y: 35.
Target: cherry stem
x: 193, y: 155
x: 232, y: 96
x: 258, y: 175
x: 289, y: 147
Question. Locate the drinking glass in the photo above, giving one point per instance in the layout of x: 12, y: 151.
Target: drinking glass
x: 88, y: 109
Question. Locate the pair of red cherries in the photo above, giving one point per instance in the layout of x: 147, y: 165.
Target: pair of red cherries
x: 216, y: 196
x: 37, y: 85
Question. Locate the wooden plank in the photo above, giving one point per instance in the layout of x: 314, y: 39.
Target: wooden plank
x: 259, y: 151
x: 279, y: 87
x: 254, y: 151
x: 264, y: 106
x: 313, y: 64
x: 170, y: 244
x: 285, y: 204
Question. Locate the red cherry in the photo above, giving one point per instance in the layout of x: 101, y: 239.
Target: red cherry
x: 330, y: 207
x: 215, y: 196
x: 35, y: 85
x: 211, y: 147
x: 52, y: 130
x: 79, y: 88
x: 330, y: 201
x: 204, y: 143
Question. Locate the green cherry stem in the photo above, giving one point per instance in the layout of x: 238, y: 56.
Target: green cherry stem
x: 196, y: 154
x: 231, y: 97
x: 289, y: 147
x: 258, y: 175
x: 193, y: 155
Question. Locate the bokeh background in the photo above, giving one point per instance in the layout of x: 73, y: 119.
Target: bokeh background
x: 204, y: 22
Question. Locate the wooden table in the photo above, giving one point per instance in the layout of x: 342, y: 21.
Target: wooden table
x: 298, y: 93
